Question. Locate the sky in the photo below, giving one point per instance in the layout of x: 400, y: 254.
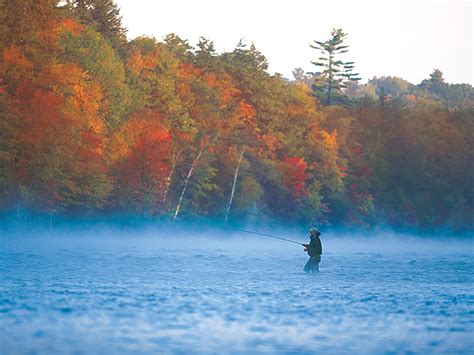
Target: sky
x: 387, y: 38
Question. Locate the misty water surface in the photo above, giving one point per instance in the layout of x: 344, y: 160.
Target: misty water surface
x: 162, y: 291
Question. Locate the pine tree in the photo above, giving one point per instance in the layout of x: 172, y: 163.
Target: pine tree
x: 435, y: 86
x: 335, y: 73
x: 104, y: 17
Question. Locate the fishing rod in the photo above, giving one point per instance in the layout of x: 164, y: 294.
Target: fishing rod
x: 265, y: 235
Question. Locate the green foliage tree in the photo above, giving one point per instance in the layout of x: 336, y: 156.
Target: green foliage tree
x: 335, y: 73
x: 104, y: 16
x: 93, y: 53
x: 452, y: 95
x: 388, y: 86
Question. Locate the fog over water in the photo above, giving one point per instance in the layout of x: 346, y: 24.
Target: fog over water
x: 207, y: 289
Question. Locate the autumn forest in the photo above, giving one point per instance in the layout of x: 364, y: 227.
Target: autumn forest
x: 93, y: 124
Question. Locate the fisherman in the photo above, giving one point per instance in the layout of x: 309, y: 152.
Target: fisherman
x: 314, y: 250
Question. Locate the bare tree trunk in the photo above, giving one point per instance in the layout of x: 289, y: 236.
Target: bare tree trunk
x: 233, y: 185
x: 174, y: 161
x: 186, y: 181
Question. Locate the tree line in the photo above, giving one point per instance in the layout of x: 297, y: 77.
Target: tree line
x: 94, y: 124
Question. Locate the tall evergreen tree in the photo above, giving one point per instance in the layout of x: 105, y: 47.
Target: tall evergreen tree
x: 435, y: 86
x: 335, y: 73
x: 104, y: 16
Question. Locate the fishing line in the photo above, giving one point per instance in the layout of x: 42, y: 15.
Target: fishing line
x: 264, y: 235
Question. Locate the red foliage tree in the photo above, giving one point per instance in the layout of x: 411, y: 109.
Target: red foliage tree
x: 294, y: 175
x: 142, y: 162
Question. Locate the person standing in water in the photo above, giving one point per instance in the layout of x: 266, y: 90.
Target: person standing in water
x: 314, y: 250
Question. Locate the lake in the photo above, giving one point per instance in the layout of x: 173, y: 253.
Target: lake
x: 208, y: 293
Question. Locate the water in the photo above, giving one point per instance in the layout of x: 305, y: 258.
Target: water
x: 157, y: 295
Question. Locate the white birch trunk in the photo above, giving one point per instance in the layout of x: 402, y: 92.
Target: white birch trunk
x: 190, y: 173
x: 174, y: 161
x: 233, y: 185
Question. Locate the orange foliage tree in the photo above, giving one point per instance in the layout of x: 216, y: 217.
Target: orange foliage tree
x: 59, y: 135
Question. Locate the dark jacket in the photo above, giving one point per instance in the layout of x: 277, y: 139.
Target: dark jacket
x: 315, y: 248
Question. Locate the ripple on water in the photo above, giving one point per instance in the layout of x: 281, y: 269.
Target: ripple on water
x: 238, y: 301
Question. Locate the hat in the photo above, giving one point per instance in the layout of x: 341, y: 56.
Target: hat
x: 314, y: 229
